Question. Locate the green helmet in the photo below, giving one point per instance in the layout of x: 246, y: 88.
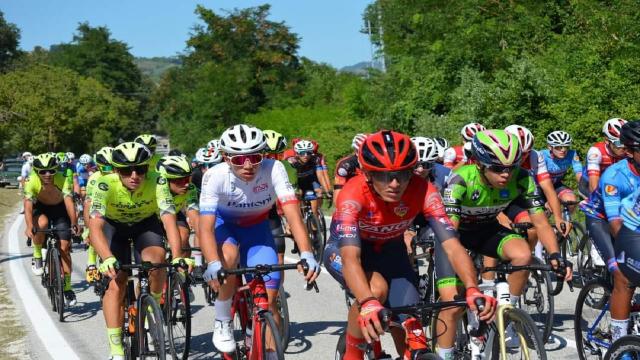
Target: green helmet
x: 496, y: 147
x: 174, y: 167
x: 147, y: 140
x: 276, y: 142
x: 61, y: 157
x: 130, y: 154
x: 103, y: 156
x: 45, y: 161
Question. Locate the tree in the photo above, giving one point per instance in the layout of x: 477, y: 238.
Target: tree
x: 9, y: 41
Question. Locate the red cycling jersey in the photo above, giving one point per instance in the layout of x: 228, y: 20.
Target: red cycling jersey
x: 599, y: 158
x: 362, y: 215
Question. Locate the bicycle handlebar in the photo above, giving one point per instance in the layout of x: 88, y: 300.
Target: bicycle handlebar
x: 420, y: 308
x: 509, y: 268
x: 264, y: 269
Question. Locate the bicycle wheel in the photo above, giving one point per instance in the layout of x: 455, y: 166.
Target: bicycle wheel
x: 537, y: 301
x: 530, y: 344
x: 177, y: 315
x: 150, y: 329
x: 592, y: 320
x: 315, y: 237
x: 627, y: 347
x: 283, y: 308
x: 57, y: 276
x: 49, y: 281
x: 587, y: 270
x: 270, y: 323
x: 323, y: 225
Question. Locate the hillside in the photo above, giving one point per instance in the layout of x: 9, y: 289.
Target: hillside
x: 156, y: 66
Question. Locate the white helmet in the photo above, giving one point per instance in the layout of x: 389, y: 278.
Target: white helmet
x: 442, y: 145
x: 200, y: 153
x: 467, y: 149
x: 71, y: 156
x: 85, y: 159
x: 524, y: 136
x: 208, y: 157
x: 611, y: 129
x: 26, y: 155
x: 242, y: 139
x: 357, y: 141
x: 471, y: 129
x: 213, y: 144
x: 559, y: 138
x: 303, y: 145
x: 427, y: 149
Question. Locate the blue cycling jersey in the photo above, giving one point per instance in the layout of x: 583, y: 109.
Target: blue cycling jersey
x: 440, y: 174
x: 558, y: 168
x: 616, y: 183
x: 83, y: 174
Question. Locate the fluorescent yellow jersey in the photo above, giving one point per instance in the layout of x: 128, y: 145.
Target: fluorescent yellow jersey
x: 33, y: 185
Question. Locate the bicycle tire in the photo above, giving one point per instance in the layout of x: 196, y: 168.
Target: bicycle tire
x: 58, y: 277
x: 540, y: 306
x: 460, y: 349
x: 555, y: 284
x: 525, y: 328
x: 315, y: 237
x: 285, y: 324
x: 590, y: 301
x: 323, y: 225
x: 587, y: 270
x: 177, y: 315
x: 150, y: 330
x: 48, y: 280
x: 269, y: 322
x: 628, y: 345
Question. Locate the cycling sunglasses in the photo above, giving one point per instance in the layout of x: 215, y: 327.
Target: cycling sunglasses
x: 499, y: 169
x: 305, y: 153
x: 240, y: 160
x: 560, y: 148
x: 387, y: 177
x: 181, y: 181
x: 47, y: 172
x: 139, y: 169
x: 425, y: 165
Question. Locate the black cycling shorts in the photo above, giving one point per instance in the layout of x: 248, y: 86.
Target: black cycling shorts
x: 181, y: 220
x: 276, y: 230
x: 58, y: 217
x: 627, y: 248
x: 598, y: 230
x: 146, y: 233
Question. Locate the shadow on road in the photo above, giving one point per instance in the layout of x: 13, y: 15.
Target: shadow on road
x: 300, y: 331
x: 4, y: 257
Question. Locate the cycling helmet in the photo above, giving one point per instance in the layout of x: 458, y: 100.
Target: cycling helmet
x: 442, y: 144
x: 61, y: 157
x: 130, y: 154
x: 26, y: 155
x: 174, y: 167
x: 242, y: 139
x: 199, y: 157
x: 103, y: 156
x: 471, y: 129
x: 213, y: 144
x: 70, y: 156
x: 426, y: 147
x: 45, y: 161
x: 387, y: 151
x: 559, y: 138
x: 276, y: 142
x: 147, y: 140
x: 496, y: 147
x: 466, y: 148
x: 303, y: 145
x: 611, y: 128
x: 524, y: 136
x: 85, y: 159
x: 357, y: 141
x: 212, y: 156
x: 630, y: 134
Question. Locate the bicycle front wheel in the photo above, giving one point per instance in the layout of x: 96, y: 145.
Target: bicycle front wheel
x: 177, y: 316
x: 317, y: 242
x: 528, y: 343
x: 150, y: 330
x: 283, y: 308
x: 57, y: 276
x: 627, y: 347
x: 269, y: 323
x: 592, y: 320
x: 537, y: 301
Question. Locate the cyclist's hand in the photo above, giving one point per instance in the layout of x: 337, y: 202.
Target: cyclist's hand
x: 75, y: 230
x: 314, y: 267
x: 188, y: 261
x: 28, y: 232
x: 109, y: 267
x: 211, y: 275
x: 330, y: 194
x: 563, y: 229
x: 489, y: 311
x: 368, y: 320
x: 562, y: 267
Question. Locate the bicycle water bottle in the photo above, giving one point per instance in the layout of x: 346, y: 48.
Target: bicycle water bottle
x: 502, y: 288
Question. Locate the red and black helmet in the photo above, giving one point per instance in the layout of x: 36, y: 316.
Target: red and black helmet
x: 387, y: 151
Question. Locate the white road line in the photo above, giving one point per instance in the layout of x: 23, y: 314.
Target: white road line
x: 53, y: 341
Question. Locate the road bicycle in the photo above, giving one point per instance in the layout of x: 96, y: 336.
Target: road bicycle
x: 625, y: 348
x: 176, y: 306
x: 574, y: 245
x: 53, y: 272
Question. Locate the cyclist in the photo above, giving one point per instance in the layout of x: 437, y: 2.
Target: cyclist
x: 454, y: 156
x: 151, y: 142
x: 84, y: 169
x: 348, y: 166
x: 443, y: 145
x: 366, y: 253
x: 48, y: 200
x: 276, y: 145
x: 124, y: 206
x: 559, y: 158
x: 102, y: 160
x: 612, y: 205
x: 474, y: 196
x: 205, y: 159
x: 602, y: 155
x: 234, y: 227
x: 26, y: 167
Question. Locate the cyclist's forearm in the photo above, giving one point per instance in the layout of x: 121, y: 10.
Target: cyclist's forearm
x: 593, y: 183
x: 545, y: 232
x: 85, y: 212
x: 71, y: 209
x: 98, y: 240
x: 461, y: 262
x: 28, y: 213
x: 206, y: 234
x: 552, y: 198
x: 298, y: 230
x: 173, y: 234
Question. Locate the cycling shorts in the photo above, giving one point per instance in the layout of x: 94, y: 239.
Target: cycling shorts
x: 562, y: 190
x: 391, y: 261
x: 255, y: 243
x: 598, y: 230
x: 309, y: 183
x: 146, y: 233
x: 181, y: 219
x: 57, y: 215
x: 275, y: 223
x: 516, y: 213
x: 627, y: 249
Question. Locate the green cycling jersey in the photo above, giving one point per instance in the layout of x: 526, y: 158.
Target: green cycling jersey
x: 33, y: 185
x: 91, y: 184
x: 153, y: 162
x: 469, y: 200
x: 188, y: 201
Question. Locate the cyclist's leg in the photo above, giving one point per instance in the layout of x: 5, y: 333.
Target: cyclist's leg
x: 185, y: 231
x: 41, y: 221
x: 512, y: 247
x: 229, y: 254
x: 148, y: 241
x: 598, y: 230
x: 628, y: 257
x: 60, y: 219
x: 566, y: 194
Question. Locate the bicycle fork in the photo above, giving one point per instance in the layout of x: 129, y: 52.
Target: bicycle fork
x: 504, y: 305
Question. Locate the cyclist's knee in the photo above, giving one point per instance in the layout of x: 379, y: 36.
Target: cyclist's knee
x: 229, y: 255
x: 379, y: 286
x: 621, y: 283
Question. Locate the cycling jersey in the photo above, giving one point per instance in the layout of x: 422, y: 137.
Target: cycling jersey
x: 308, y: 169
x: 33, y: 185
x: 362, y: 216
x: 187, y: 201
x: 91, y: 184
x: 83, y: 174
x: 346, y: 168
x: 616, y: 183
x: 112, y: 200
x: 453, y: 155
x: 536, y: 166
x: 153, y: 163
x: 474, y: 204
x: 438, y: 175
x: 245, y: 203
x: 558, y: 168
x: 599, y: 158
x: 26, y: 170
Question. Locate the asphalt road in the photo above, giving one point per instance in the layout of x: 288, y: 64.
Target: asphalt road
x: 316, y: 319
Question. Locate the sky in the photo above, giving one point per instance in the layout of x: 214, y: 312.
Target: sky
x: 329, y: 29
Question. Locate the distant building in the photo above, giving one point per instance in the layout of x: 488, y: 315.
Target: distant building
x: 163, y: 146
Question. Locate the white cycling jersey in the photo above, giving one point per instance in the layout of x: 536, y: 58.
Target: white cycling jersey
x: 245, y: 203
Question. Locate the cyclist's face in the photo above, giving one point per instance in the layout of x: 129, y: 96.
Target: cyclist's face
x: 389, y: 191
x: 618, y: 151
x: 131, y: 181
x: 559, y: 151
x: 46, y: 178
x: 497, y: 180
x: 246, y: 172
x: 304, y: 157
x: 179, y: 186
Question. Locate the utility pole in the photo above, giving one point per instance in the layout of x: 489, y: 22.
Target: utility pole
x: 381, y: 35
